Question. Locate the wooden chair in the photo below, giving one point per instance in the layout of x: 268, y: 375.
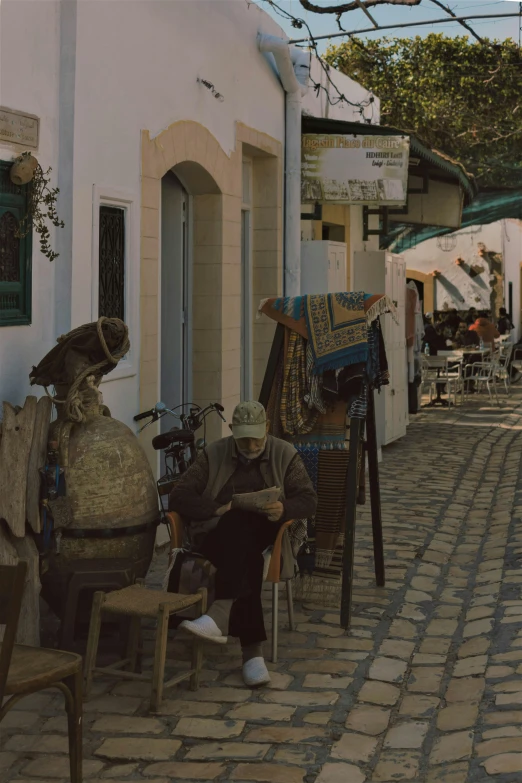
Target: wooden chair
x: 25, y: 670
x: 137, y: 602
x: 178, y: 537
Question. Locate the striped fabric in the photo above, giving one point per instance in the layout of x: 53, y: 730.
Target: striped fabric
x: 296, y: 416
x: 331, y: 494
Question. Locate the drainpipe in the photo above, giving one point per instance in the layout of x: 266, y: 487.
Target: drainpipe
x: 294, y: 71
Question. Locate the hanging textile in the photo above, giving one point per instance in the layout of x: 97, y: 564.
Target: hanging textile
x: 320, y: 577
x: 412, y: 297
x: 331, y: 492
x: 314, y: 397
x: 290, y: 311
x: 296, y: 416
x: 310, y: 457
x: 328, y: 432
x: 378, y: 373
x: 336, y: 325
x: 343, y: 326
x: 414, y: 335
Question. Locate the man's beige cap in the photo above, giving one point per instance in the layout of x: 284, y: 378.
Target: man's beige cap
x: 249, y: 420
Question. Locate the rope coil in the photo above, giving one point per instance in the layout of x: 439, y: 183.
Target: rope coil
x: 79, y: 400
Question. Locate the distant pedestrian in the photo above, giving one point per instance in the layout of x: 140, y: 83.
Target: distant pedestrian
x: 504, y: 323
x: 435, y: 339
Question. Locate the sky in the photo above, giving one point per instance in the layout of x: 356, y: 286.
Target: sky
x: 356, y: 20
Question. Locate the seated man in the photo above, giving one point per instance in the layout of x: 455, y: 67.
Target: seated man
x: 486, y: 331
x: 233, y: 539
x: 466, y: 338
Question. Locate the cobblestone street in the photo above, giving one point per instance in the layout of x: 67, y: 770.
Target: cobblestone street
x: 426, y: 686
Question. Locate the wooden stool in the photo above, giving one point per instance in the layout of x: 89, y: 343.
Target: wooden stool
x: 136, y: 602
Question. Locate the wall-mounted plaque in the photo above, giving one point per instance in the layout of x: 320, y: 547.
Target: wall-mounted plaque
x: 19, y: 128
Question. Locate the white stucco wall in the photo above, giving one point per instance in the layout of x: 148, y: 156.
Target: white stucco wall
x: 456, y: 288
x: 326, y: 102
x: 512, y: 249
x: 126, y: 67
x: 29, y: 78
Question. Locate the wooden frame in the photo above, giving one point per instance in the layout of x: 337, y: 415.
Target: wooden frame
x: 13, y: 199
x: 352, y: 483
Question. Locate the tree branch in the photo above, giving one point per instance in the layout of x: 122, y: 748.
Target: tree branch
x: 464, y: 24
x: 353, y: 6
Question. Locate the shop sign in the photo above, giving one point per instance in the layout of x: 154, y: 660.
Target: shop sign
x: 354, y: 169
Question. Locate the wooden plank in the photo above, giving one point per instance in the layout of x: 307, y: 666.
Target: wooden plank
x: 352, y: 482
x: 37, y: 460
x: 271, y: 367
x: 29, y: 623
x: 375, y: 492
x: 17, y: 437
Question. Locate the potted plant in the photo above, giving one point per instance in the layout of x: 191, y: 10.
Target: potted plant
x: 41, y: 203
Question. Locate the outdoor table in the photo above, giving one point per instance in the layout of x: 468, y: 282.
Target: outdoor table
x: 457, y: 356
x: 458, y: 353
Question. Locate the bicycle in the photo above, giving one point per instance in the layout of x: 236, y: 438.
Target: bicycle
x: 179, y: 444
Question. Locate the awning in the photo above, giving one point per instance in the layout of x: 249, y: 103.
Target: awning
x: 424, y: 161
x: 488, y: 207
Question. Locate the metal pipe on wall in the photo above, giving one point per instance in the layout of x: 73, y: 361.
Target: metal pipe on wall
x: 294, y: 71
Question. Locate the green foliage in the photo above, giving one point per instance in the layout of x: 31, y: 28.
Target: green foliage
x: 41, y: 208
x: 460, y: 97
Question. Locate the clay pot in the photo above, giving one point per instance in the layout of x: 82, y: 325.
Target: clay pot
x: 22, y: 171
x: 113, y: 505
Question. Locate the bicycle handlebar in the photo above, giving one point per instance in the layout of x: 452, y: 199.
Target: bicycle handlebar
x: 144, y: 415
x: 196, y: 418
x: 161, y: 408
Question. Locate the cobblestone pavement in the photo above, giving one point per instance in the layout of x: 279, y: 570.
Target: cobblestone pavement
x: 426, y: 687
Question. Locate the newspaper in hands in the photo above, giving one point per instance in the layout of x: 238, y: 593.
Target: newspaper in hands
x: 256, y: 501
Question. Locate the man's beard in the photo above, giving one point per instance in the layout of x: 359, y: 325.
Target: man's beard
x: 252, y: 455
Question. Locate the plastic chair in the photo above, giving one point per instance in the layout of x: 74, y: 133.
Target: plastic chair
x: 25, y: 670
x: 504, y: 365
x: 452, y: 377
x: 485, y: 374
x: 178, y: 536
x: 436, y: 372
x: 428, y: 377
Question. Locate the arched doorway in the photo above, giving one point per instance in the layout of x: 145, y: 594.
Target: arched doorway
x: 425, y: 285
x: 194, y: 294
x: 190, y: 289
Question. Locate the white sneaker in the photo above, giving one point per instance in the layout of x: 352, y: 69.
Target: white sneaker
x: 255, y: 672
x: 205, y: 628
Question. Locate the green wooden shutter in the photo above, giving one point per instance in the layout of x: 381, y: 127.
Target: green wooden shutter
x: 15, y: 254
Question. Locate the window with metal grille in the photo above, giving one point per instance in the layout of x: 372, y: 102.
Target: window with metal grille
x: 111, y: 288
x: 15, y: 253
